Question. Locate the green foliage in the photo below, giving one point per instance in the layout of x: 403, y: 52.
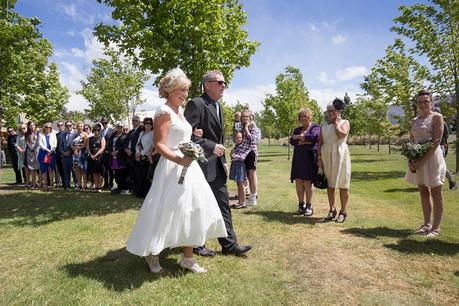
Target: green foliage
x: 266, y: 120
x: 113, y: 87
x: 395, y: 79
x: 434, y: 28
x: 195, y: 35
x: 28, y: 83
x: 291, y: 96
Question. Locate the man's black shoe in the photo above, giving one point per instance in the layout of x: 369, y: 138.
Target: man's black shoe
x: 238, y: 250
x: 203, y: 251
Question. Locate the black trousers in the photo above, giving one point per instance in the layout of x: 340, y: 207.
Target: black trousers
x: 109, y: 175
x: 121, y: 178
x: 220, y: 191
x: 60, y: 168
x: 17, y: 172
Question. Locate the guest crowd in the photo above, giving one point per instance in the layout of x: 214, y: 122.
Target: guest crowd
x: 93, y: 157
x: 85, y: 157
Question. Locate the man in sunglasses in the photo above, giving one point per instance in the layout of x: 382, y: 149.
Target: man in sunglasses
x: 205, y: 113
x: 107, y: 132
x: 60, y: 170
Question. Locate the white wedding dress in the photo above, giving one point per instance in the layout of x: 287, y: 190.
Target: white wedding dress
x: 174, y: 215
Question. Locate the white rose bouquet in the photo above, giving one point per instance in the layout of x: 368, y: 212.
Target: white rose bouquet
x: 192, y: 150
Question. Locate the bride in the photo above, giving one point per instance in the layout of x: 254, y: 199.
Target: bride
x: 175, y: 215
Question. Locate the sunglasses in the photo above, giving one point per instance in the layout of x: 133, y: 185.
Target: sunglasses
x: 60, y: 125
x: 219, y: 82
x: 96, y: 130
x: 48, y: 127
x: 148, y: 123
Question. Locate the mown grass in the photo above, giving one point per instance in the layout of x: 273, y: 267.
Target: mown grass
x: 59, y: 248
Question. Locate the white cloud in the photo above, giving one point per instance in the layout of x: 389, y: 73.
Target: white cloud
x: 323, y: 77
x: 252, y: 96
x: 77, y: 103
x: 69, y: 10
x: 338, y: 39
x: 93, y: 48
x: 73, y: 13
x: 325, y: 96
x: 71, y: 33
x: 71, y: 76
x: 324, y: 25
x: 350, y: 73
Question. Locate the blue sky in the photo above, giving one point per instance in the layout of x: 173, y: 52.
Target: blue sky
x: 333, y: 42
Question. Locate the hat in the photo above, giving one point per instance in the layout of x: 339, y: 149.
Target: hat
x: 135, y: 117
x: 119, y: 123
x: 103, y: 120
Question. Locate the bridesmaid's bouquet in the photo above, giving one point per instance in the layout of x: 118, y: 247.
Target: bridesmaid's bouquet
x: 415, y: 151
x: 192, y: 150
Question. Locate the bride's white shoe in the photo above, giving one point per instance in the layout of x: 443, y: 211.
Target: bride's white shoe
x: 192, y: 265
x: 153, y: 264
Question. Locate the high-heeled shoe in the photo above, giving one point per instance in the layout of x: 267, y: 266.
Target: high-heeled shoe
x: 192, y: 265
x: 153, y: 264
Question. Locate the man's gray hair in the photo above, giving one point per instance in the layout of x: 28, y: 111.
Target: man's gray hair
x: 209, y: 76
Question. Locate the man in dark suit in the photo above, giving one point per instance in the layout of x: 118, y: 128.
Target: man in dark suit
x: 107, y: 132
x: 206, y: 113
x: 66, y: 154
x: 131, y: 142
x: 11, y: 142
x: 60, y: 170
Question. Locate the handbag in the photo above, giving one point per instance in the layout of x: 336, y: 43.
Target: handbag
x: 321, y: 180
x: 48, y: 159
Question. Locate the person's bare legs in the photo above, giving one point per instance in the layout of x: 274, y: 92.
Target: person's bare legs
x: 300, y: 189
x: 331, y: 198
x: 344, y: 198
x: 437, y: 198
x: 426, y: 204
x: 187, y: 261
x: 308, y: 190
x: 252, y: 177
x: 240, y: 192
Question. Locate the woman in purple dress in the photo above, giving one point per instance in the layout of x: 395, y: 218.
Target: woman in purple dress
x: 304, y: 162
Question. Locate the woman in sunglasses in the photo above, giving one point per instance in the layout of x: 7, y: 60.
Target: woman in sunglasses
x: 95, y: 148
x: 47, y: 142
x: 21, y: 149
x: 32, y: 153
x: 79, y: 156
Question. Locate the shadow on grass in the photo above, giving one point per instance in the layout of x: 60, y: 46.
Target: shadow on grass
x: 264, y: 160
x: 374, y: 176
x: 120, y: 270
x: 405, y: 245
x: 272, y: 154
x: 434, y: 246
x: 409, y: 189
x: 39, y: 208
x: 359, y: 161
x: 378, y: 232
x: 456, y: 273
x: 284, y: 217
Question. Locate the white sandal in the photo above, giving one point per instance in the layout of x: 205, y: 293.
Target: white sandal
x: 153, y: 264
x: 192, y: 265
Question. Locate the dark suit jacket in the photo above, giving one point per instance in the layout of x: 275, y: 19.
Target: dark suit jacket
x: 120, y: 144
x: 133, y: 137
x: 109, y: 133
x: 201, y: 114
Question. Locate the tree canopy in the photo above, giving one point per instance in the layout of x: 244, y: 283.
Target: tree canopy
x: 195, y: 35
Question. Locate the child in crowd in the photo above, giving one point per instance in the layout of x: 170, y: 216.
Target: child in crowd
x: 238, y: 173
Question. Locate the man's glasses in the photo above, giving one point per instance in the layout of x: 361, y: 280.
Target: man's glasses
x: 69, y: 125
x: 148, y: 123
x: 219, y: 82
x: 11, y: 131
x: 60, y: 125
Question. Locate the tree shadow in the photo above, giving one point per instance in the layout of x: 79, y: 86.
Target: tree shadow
x: 456, y: 273
x: 405, y: 245
x: 284, y: 217
x: 358, y: 161
x: 273, y: 154
x: 35, y: 208
x: 433, y: 246
x: 377, y: 232
x: 409, y: 189
x: 120, y: 270
x: 263, y: 160
x: 374, y: 176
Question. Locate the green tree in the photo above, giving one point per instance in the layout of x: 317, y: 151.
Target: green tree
x: 113, y: 87
x: 195, y: 35
x: 291, y: 96
x: 28, y: 83
x: 434, y: 28
x: 395, y: 79
x: 267, y: 123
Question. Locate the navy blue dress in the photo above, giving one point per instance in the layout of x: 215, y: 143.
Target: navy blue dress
x: 304, y: 161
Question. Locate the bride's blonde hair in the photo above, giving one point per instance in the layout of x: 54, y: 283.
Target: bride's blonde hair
x: 173, y: 79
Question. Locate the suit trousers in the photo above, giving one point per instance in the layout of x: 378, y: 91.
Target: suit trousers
x: 67, y: 167
x: 220, y: 191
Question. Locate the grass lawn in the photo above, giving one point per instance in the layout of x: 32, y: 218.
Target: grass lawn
x: 59, y: 248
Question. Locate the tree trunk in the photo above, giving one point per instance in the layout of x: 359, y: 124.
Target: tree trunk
x: 389, y: 145
x: 269, y: 141
x: 379, y: 140
x: 369, y: 137
x: 456, y: 91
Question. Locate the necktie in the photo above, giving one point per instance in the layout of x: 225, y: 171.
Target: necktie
x: 215, y: 104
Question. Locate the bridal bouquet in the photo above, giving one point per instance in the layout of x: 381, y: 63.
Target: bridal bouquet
x: 192, y: 150
x: 415, y: 151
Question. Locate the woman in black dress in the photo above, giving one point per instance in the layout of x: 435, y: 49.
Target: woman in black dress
x: 304, y: 162
x: 95, y: 148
